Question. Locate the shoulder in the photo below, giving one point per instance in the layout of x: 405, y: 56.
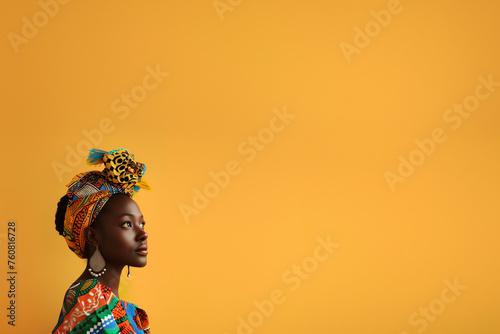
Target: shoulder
x: 83, y: 299
x: 88, y: 293
x: 89, y: 305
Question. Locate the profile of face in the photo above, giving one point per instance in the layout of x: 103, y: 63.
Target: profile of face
x: 119, y: 233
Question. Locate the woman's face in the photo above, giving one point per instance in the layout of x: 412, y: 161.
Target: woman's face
x: 120, y: 233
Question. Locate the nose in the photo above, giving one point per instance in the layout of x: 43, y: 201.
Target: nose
x: 141, y: 234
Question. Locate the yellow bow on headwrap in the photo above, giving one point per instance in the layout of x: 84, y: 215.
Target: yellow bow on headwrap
x: 88, y: 192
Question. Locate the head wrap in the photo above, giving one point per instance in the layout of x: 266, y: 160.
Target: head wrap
x: 88, y: 192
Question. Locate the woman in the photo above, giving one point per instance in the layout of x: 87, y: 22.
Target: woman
x: 102, y: 223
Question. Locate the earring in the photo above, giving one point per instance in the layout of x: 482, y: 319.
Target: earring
x: 128, y: 275
x: 97, y: 264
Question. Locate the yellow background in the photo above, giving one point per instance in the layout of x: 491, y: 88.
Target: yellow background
x: 323, y: 175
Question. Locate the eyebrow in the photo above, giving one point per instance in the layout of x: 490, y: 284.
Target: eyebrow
x: 131, y: 215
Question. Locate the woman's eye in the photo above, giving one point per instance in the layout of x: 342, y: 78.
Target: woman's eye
x: 127, y: 224
x: 143, y: 224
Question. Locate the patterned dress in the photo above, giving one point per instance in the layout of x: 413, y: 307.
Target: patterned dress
x: 91, y: 307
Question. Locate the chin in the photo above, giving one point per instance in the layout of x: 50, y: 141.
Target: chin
x: 140, y: 264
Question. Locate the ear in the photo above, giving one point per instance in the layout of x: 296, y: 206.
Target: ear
x: 91, y: 236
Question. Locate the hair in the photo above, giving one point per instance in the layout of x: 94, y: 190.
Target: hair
x: 60, y: 213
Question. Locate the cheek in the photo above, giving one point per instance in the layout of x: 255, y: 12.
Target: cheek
x: 118, y: 243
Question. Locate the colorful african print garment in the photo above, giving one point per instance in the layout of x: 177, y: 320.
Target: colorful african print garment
x: 91, y: 307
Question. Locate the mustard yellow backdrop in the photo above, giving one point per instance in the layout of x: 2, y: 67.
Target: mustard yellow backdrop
x: 317, y: 166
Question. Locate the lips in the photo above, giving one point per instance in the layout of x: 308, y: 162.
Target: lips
x: 142, y: 250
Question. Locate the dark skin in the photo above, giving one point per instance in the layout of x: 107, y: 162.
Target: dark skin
x: 119, y: 233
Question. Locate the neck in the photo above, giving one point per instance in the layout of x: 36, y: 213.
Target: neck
x: 110, y: 278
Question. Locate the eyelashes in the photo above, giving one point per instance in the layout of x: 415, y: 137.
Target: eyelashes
x: 128, y: 223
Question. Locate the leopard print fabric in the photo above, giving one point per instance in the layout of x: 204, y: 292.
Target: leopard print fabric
x: 122, y: 170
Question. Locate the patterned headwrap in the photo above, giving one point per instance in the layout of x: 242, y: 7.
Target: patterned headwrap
x: 88, y: 192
